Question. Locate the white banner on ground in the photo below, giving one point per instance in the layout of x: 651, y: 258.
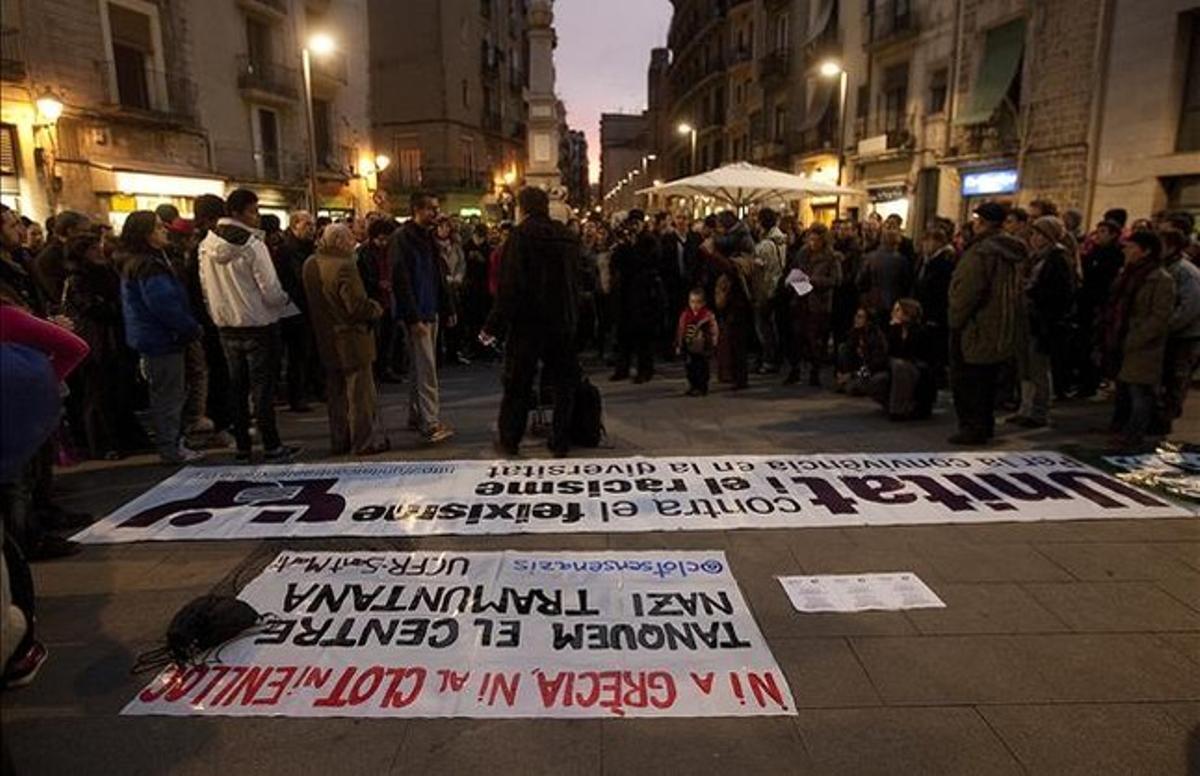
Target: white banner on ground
x: 622, y: 494
x: 859, y: 593
x: 511, y: 634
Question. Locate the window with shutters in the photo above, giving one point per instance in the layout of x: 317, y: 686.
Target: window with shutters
x: 9, y: 185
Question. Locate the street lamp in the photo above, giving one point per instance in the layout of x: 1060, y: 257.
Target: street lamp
x: 832, y: 69
x: 688, y: 129
x: 382, y: 162
x: 49, y: 107
x: 322, y: 45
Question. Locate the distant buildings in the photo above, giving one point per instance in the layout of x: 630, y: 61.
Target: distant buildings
x: 624, y: 159
x: 930, y: 106
x: 161, y: 102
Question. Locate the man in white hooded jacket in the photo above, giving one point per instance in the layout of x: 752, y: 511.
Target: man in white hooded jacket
x: 246, y: 301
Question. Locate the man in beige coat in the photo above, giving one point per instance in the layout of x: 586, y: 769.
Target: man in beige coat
x: 342, y: 318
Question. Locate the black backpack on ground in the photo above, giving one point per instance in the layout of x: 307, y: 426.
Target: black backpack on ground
x: 587, y: 419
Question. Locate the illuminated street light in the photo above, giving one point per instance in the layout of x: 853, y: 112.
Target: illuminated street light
x: 321, y: 44
x: 49, y: 107
x: 831, y: 69
x: 382, y: 162
x: 687, y: 129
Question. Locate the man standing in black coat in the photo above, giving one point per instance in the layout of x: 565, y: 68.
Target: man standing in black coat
x: 293, y: 251
x: 537, y: 310
x: 932, y: 290
x: 1101, y: 264
x: 638, y: 286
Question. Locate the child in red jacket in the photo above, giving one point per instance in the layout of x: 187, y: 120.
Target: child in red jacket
x: 696, y: 339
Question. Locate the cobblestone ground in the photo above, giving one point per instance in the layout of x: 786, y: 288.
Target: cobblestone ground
x: 1064, y: 647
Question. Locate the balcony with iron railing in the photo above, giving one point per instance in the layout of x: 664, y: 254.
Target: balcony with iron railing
x: 267, y: 78
x: 153, y: 94
x: 436, y: 178
x: 12, y: 55
x: 897, y: 129
x: 889, y: 21
x: 240, y: 163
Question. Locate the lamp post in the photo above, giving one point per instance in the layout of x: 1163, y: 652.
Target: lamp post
x: 688, y: 129
x: 321, y: 45
x: 50, y: 109
x: 832, y: 69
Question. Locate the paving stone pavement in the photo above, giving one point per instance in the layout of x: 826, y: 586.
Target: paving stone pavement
x: 1066, y: 647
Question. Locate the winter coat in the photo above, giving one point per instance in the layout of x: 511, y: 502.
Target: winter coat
x: 539, y: 282
x: 158, y: 318
x: 241, y: 287
x: 1101, y: 265
x: 932, y: 288
x: 824, y: 271
x: 1145, y: 340
x: 885, y: 276
x: 342, y: 313
x: 418, y: 278
x: 985, y: 298
x: 1185, y: 319
x: 1049, y: 295
x: 92, y: 300
x: 289, y: 266
x: 636, y: 283
x: 770, y: 256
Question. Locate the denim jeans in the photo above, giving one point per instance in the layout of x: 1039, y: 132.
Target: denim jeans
x: 168, y: 390
x: 1133, y: 412
x: 253, y: 355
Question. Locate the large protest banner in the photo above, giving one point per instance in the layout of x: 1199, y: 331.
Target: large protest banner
x: 622, y: 494
x: 511, y: 634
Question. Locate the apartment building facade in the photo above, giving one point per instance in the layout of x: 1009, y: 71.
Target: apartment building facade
x: 163, y: 101
x: 930, y: 106
x: 448, y: 98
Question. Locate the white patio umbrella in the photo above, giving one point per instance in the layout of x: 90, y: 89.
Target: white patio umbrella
x: 741, y: 184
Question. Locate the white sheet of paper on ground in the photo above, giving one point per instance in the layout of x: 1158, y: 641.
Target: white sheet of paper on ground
x: 799, y: 282
x: 859, y: 593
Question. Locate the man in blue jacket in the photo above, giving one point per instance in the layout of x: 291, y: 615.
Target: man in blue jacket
x: 422, y: 300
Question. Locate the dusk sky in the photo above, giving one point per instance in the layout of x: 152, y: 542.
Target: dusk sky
x: 601, y: 60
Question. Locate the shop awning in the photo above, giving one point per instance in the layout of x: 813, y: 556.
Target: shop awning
x: 822, y: 98
x: 1001, y: 60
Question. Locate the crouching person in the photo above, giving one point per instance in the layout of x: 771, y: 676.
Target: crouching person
x: 343, y: 318
x: 908, y: 388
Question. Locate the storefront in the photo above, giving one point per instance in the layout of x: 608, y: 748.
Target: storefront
x: 890, y: 200
x: 121, y: 192
x: 823, y: 168
x: 979, y: 185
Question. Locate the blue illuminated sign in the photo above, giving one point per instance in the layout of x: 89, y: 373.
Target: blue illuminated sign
x: 976, y: 184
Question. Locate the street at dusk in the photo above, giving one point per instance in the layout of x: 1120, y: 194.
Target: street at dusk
x: 556, y: 387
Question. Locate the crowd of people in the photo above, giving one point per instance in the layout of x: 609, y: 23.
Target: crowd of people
x: 202, y: 326
x: 1015, y: 309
